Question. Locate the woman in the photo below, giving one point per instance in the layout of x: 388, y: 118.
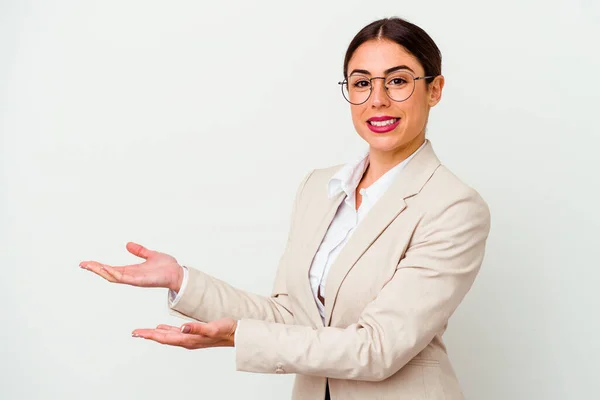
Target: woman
x: 379, y: 255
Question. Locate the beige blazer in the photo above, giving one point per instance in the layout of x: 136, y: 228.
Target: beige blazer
x: 388, y: 296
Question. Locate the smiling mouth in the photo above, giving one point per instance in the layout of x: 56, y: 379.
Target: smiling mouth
x: 387, y: 122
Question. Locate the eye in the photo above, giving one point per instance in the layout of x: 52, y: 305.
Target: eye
x: 397, y: 81
x: 361, y: 84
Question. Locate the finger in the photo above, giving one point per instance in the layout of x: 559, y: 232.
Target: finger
x: 168, y: 331
x: 98, y: 269
x: 153, y: 334
x: 170, y: 338
x: 195, y: 328
x: 110, y: 273
x: 124, y: 274
x: 168, y: 328
x: 175, y: 338
x: 138, y: 250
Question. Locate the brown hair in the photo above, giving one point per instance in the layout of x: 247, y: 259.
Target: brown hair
x: 414, y: 39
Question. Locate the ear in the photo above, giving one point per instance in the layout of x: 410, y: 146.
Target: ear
x: 435, y: 90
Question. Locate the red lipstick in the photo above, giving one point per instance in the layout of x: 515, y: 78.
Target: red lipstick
x: 383, y: 124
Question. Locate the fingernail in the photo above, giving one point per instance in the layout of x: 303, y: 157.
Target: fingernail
x: 186, y: 329
x: 135, y: 335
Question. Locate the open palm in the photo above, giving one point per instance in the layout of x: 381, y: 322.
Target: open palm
x: 219, y: 333
x: 159, y: 269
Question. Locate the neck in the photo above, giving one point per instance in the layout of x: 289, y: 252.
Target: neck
x: 381, y: 162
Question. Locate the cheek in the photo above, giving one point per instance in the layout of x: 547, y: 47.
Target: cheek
x: 358, y: 115
x: 414, y: 111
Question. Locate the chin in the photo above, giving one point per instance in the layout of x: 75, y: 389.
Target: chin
x: 385, y: 143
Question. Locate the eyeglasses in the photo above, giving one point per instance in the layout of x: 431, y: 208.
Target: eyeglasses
x: 399, y: 86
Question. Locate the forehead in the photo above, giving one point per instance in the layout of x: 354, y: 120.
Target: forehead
x: 376, y: 56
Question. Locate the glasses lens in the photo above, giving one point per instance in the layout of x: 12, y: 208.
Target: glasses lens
x: 400, y: 85
x: 357, y: 90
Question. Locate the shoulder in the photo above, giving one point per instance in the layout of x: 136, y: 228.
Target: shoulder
x: 445, y: 197
x: 444, y: 186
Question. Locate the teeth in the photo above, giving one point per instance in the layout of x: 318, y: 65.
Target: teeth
x: 384, y: 123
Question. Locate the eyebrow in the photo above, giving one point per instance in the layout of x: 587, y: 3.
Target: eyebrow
x: 387, y: 71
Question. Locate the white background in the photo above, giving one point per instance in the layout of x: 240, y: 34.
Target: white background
x: 186, y: 126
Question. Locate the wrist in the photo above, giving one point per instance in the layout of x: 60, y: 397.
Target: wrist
x: 232, y: 336
x: 177, y: 280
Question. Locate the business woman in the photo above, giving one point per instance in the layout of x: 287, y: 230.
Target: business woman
x: 380, y: 252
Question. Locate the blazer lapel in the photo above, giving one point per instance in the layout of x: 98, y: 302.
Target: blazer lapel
x: 408, y: 183
x: 321, y: 220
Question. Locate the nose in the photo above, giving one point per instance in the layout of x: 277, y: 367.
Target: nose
x: 379, y: 97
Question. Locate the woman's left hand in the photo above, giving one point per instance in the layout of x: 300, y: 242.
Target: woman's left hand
x: 193, y: 335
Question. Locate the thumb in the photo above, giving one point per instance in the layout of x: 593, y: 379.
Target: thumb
x: 138, y: 250
x: 198, y: 329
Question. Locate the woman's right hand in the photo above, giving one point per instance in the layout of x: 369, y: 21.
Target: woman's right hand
x: 159, y: 270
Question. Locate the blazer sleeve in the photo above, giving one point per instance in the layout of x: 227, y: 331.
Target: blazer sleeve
x: 206, y: 298
x: 437, y: 271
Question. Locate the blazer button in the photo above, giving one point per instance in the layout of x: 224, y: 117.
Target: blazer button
x: 279, y: 369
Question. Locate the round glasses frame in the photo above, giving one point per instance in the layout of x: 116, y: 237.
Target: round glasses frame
x: 415, y: 79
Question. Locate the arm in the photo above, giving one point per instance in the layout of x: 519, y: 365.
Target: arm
x: 206, y: 298
x: 429, y: 283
